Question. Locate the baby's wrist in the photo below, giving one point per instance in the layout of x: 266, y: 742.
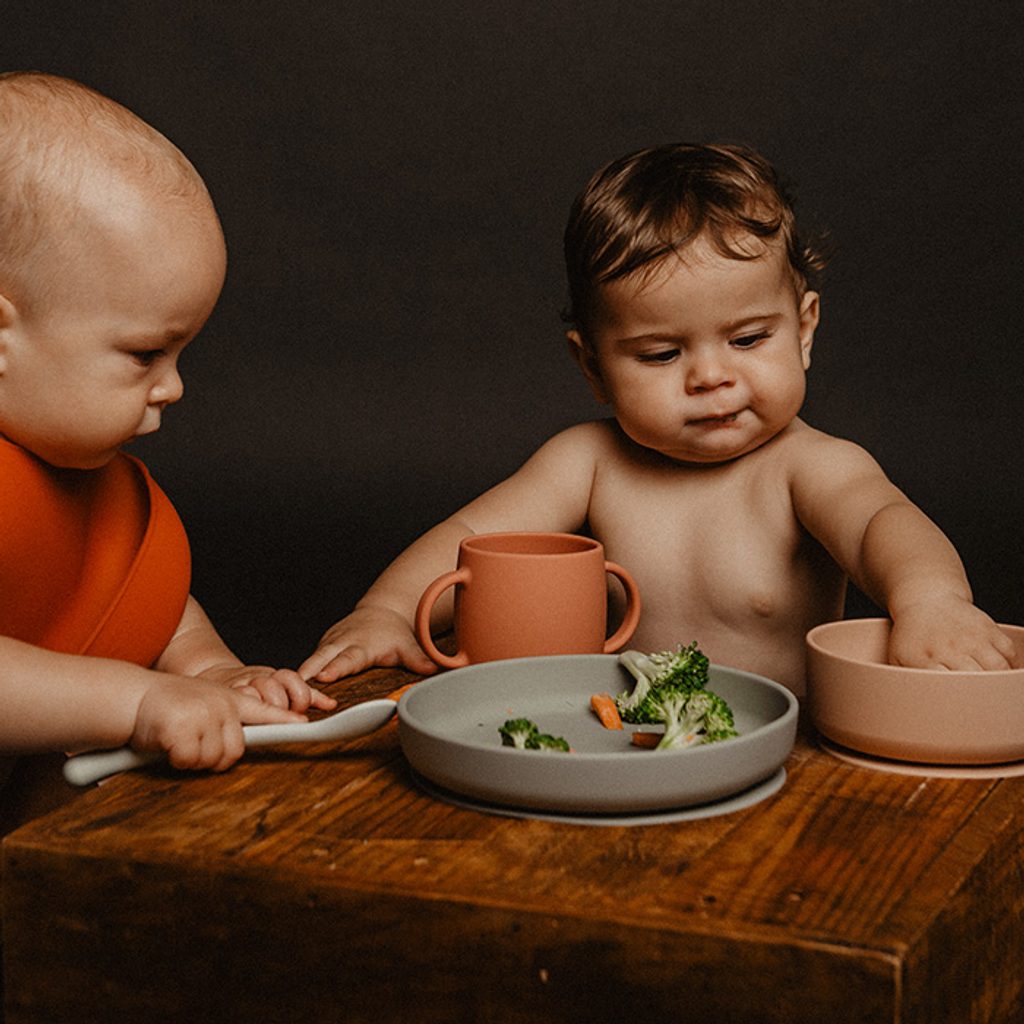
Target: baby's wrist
x: 385, y: 608
x: 924, y: 599
x: 218, y: 667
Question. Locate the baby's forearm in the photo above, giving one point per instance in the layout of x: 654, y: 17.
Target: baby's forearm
x: 55, y: 701
x: 402, y: 583
x: 196, y: 645
x: 907, y: 560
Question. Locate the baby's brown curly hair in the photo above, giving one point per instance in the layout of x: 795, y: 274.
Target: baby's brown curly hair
x: 643, y: 207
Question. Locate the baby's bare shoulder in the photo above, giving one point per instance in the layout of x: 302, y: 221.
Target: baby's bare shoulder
x: 590, y: 442
x: 565, y: 463
x: 829, y: 477
x: 804, y: 449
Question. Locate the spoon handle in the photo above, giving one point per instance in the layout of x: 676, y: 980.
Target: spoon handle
x: 83, y: 769
x: 354, y: 721
x: 358, y: 720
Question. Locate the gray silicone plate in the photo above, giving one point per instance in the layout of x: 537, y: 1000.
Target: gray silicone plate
x: 449, y: 733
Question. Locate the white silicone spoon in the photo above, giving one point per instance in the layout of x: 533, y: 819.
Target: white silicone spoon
x: 358, y: 720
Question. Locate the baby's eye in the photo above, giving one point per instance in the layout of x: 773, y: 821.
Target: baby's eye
x: 662, y: 356
x: 749, y: 340
x: 146, y: 357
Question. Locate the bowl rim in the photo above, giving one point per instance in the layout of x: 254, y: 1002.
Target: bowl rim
x: 812, y: 643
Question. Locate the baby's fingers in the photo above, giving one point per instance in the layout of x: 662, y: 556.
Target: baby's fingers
x: 223, y: 750
x: 257, y: 712
x: 214, y: 749
x: 1008, y: 650
x: 320, y: 700
x: 981, y: 659
x: 993, y: 660
x: 298, y: 694
x: 317, y: 665
x: 992, y: 652
x: 345, y: 661
x: 247, y: 690
x: 356, y: 658
x: 413, y: 657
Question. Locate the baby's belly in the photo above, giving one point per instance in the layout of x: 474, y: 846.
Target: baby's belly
x: 759, y: 632
x: 745, y: 585
x: 778, y: 654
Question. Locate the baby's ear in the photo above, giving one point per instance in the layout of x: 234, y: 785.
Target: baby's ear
x: 810, y: 312
x: 585, y: 358
x: 8, y: 316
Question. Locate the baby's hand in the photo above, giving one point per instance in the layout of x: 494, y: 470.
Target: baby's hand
x: 281, y: 688
x: 950, y: 633
x: 369, y: 636
x: 198, y: 723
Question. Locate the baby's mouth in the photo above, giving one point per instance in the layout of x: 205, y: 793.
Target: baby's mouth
x: 149, y: 425
x: 714, y: 421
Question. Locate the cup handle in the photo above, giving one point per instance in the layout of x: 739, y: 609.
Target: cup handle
x: 422, y: 621
x: 632, y: 616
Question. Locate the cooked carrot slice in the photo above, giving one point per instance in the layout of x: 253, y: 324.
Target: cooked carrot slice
x: 605, y: 709
x: 645, y: 739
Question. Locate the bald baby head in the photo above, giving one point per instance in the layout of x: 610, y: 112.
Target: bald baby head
x: 68, y: 156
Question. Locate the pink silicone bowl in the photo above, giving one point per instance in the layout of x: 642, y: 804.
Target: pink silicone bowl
x: 858, y: 700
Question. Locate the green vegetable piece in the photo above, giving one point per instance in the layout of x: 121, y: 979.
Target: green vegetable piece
x: 657, y: 674
x: 701, y: 717
x: 523, y: 734
x: 517, y: 732
x: 671, y: 688
x: 542, y: 741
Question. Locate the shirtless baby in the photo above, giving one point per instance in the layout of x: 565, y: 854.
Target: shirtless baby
x: 693, y: 315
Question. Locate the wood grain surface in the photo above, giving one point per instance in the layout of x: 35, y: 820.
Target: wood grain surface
x: 319, y: 883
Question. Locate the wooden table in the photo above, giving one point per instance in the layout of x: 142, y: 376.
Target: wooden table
x: 319, y: 884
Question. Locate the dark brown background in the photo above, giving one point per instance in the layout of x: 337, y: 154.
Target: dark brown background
x: 393, y: 180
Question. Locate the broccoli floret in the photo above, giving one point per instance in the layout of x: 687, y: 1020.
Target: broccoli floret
x: 681, y: 714
x: 671, y: 688
x: 517, y: 732
x: 690, y: 719
x: 542, y: 741
x: 523, y: 734
x: 718, y: 720
x: 682, y: 671
x: 643, y: 670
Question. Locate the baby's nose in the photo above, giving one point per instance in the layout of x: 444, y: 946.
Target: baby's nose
x: 168, y: 389
x: 706, y: 371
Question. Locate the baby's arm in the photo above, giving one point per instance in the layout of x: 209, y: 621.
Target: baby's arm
x: 55, y: 701
x: 197, y: 650
x: 551, y: 492
x: 379, y: 629
x: 898, y: 557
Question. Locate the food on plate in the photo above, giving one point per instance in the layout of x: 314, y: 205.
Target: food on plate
x: 670, y: 689
x: 523, y: 734
x: 682, y: 670
x: 606, y: 709
x: 646, y: 738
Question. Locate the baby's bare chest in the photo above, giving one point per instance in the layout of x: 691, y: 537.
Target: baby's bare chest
x: 727, y: 542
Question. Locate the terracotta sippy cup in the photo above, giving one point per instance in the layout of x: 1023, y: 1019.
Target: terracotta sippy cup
x: 525, y: 594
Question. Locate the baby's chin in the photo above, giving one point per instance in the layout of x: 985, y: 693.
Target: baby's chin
x: 85, y: 462
x: 63, y: 456
x: 727, y: 447
x: 710, y: 456
x: 78, y: 458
